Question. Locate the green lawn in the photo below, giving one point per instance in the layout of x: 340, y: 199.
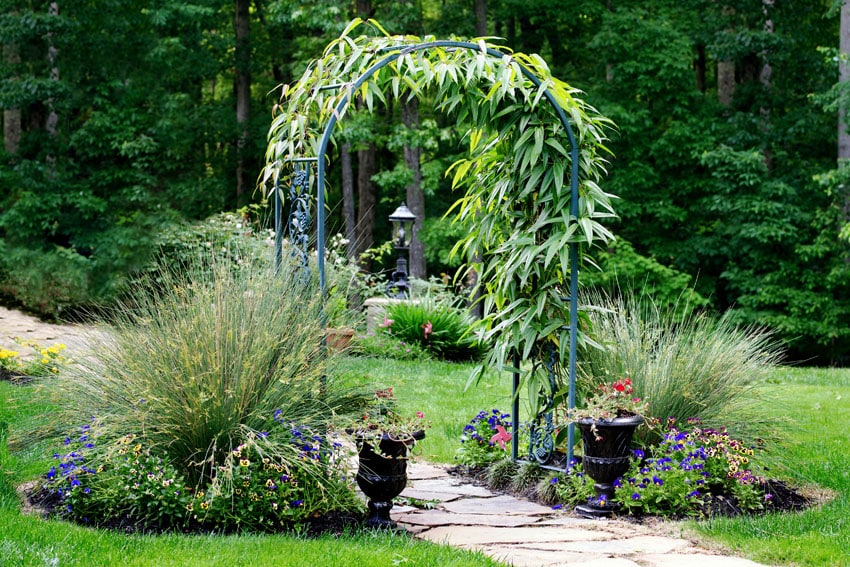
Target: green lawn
x: 817, y: 401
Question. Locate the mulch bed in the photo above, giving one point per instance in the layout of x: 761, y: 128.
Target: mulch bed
x: 14, y: 377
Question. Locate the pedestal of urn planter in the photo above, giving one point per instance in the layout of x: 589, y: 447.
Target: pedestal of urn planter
x: 382, y: 475
x: 606, y: 458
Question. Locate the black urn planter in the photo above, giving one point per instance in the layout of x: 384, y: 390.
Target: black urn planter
x: 382, y: 475
x: 606, y: 457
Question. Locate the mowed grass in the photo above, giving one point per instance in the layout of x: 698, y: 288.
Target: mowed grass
x: 817, y: 401
x: 438, y: 389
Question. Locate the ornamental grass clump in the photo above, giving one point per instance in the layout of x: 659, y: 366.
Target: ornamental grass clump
x: 683, y: 365
x: 211, y: 362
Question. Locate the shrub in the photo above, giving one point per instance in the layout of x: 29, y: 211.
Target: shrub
x: 229, y: 237
x: 683, y: 365
x: 437, y: 326
x: 47, y: 282
x: 208, y: 362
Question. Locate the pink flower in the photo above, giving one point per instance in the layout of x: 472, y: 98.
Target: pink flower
x: 387, y: 322
x: 420, y: 415
x: 501, y: 437
x: 428, y: 327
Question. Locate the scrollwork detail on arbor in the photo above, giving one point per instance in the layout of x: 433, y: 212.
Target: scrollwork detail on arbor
x: 299, y: 218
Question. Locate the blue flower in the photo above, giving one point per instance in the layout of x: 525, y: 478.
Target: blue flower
x: 639, y: 454
x: 557, y: 506
x: 296, y: 503
x: 554, y: 480
x: 635, y: 496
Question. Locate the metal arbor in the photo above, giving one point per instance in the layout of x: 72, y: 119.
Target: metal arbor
x: 541, y: 434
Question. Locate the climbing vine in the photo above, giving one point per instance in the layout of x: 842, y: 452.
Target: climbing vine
x: 515, y: 178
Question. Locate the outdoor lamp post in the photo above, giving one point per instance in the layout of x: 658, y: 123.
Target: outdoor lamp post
x: 402, y: 220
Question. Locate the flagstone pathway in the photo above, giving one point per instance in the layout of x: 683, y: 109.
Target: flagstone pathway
x: 522, y: 533
x: 511, y: 530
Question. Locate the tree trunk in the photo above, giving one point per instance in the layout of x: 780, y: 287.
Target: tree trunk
x: 699, y: 68
x: 844, y: 78
x: 12, y: 116
x: 52, y: 54
x: 242, y: 24
x: 364, y: 9
x: 765, y: 78
x: 725, y: 82
x: 366, y: 200
x: 348, y: 210
x: 480, y: 18
x: 415, y: 196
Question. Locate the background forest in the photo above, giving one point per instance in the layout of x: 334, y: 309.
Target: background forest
x: 126, y: 120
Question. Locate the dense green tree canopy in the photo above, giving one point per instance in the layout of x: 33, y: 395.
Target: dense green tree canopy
x: 120, y: 118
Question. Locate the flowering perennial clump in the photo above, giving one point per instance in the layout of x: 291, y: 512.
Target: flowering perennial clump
x: 687, y: 470
x: 485, y: 438
x: 571, y: 486
x: 44, y: 361
x: 124, y: 481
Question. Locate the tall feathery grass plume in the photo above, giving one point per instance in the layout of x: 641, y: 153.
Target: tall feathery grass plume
x: 686, y: 363
x: 201, y: 359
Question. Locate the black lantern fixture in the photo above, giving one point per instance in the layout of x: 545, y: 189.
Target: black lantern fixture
x: 402, y: 220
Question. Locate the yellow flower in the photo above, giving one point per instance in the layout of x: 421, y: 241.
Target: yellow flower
x: 205, y: 505
x: 244, y: 462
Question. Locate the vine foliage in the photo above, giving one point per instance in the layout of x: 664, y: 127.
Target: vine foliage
x: 515, y: 178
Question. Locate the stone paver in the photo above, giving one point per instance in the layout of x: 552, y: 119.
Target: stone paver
x: 514, y: 531
x: 525, y: 534
x: 14, y: 324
